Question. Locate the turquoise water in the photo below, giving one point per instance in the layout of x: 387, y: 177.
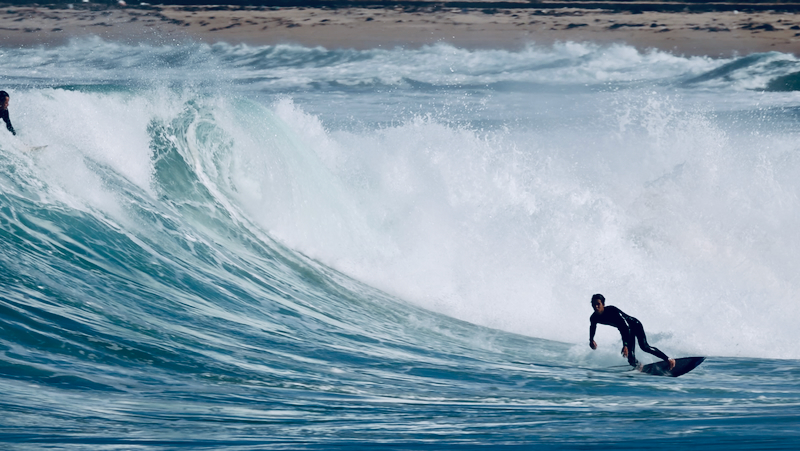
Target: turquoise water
x: 232, y: 247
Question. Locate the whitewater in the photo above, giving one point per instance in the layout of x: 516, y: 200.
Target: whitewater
x: 286, y: 247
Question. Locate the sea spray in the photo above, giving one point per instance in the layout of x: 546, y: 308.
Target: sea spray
x: 512, y: 229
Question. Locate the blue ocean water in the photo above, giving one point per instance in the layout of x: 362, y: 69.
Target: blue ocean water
x: 248, y: 248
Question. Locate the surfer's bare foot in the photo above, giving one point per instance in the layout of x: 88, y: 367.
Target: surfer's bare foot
x: 671, y: 363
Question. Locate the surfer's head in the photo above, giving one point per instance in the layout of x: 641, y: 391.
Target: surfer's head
x: 4, y: 97
x: 598, y: 303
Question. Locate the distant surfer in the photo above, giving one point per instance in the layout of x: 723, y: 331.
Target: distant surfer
x: 4, y: 99
x: 629, y: 327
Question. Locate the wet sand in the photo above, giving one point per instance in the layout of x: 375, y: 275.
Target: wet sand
x: 713, y: 33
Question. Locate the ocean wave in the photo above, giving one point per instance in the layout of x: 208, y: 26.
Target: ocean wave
x: 292, y: 67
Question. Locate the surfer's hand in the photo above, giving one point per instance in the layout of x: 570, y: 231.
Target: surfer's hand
x: 625, y: 351
x: 592, y: 344
x: 671, y: 363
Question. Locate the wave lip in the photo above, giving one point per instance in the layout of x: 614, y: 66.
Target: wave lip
x: 762, y: 71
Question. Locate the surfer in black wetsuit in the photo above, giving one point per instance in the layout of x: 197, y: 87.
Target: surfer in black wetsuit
x: 4, y: 99
x: 629, y: 327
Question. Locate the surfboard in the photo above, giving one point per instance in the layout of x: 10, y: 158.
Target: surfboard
x: 682, y: 366
x: 32, y: 148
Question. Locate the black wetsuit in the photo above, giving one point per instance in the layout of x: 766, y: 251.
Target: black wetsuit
x: 629, y: 328
x: 7, y: 120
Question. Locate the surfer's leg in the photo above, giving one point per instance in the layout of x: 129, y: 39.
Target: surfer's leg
x: 638, y: 330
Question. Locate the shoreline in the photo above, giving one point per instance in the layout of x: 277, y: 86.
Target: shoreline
x: 714, y: 34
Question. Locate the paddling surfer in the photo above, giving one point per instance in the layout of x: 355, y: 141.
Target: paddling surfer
x: 629, y: 327
x: 4, y: 99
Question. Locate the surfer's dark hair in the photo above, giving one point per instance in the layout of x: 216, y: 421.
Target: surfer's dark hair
x: 599, y: 297
x: 3, y: 95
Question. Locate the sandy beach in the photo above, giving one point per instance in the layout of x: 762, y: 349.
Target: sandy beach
x: 713, y: 33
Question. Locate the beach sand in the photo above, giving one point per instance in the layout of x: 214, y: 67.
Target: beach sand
x: 702, y: 33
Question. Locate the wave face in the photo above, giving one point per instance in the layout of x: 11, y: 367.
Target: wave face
x: 233, y: 247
